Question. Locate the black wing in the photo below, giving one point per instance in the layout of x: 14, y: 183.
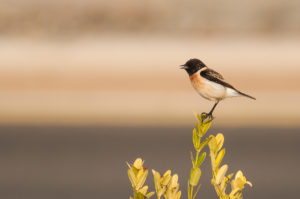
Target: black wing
x: 213, y: 76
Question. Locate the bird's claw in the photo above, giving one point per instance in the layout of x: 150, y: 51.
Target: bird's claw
x: 207, y: 116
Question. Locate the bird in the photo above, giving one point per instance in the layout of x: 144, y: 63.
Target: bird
x: 209, y: 83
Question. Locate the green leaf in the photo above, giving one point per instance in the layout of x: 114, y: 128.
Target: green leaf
x: 220, y: 157
x: 166, y: 179
x: 201, y: 159
x: 205, y: 127
x: 192, y: 158
x: 148, y: 195
x: 203, y: 144
x: 132, y: 177
x: 195, y: 176
x: 220, y: 140
x: 189, y: 190
x: 213, y: 144
x: 195, y: 139
x: 199, y: 118
x: 142, y: 179
x: 223, y: 185
x: 134, y: 170
x: 139, y: 196
x: 161, y: 191
x: 199, y: 129
x: 197, y: 191
x: 230, y: 175
x: 157, y: 178
x: 221, y: 174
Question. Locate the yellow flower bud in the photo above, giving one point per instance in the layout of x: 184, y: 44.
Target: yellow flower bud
x: 167, y: 173
x: 174, y: 181
x: 239, y: 181
x: 138, y: 163
x: 165, y: 180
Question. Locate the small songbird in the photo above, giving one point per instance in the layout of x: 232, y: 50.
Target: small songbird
x: 210, y: 84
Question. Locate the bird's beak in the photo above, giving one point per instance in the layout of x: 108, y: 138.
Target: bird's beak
x: 183, y: 66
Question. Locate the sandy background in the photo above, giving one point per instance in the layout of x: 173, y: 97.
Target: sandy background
x: 116, y: 63
x: 136, y: 80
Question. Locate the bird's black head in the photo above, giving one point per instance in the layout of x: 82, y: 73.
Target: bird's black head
x: 192, y: 66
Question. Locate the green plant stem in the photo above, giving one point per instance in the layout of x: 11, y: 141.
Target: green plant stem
x: 197, y: 155
x: 191, y: 195
x: 192, y: 189
x: 219, y: 192
x: 134, y: 195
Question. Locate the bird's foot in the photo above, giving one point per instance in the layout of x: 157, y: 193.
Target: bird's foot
x: 207, y: 117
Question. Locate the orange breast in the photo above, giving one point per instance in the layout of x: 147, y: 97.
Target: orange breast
x: 196, y: 81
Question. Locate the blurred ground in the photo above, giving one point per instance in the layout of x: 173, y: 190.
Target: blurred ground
x: 70, y: 162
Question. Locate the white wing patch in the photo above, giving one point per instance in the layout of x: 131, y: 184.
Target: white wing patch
x: 231, y: 93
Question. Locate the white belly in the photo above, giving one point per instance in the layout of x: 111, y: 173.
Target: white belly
x: 212, y: 90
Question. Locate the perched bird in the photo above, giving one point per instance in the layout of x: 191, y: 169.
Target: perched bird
x: 210, y: 84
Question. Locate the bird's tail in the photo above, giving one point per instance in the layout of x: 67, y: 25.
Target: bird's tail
x: 243, y: 94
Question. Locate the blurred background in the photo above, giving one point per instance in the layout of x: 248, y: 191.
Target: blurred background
x: 86, y: 85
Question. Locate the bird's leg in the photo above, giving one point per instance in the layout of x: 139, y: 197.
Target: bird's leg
x: 213, y: 108
x: 209, y: 115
